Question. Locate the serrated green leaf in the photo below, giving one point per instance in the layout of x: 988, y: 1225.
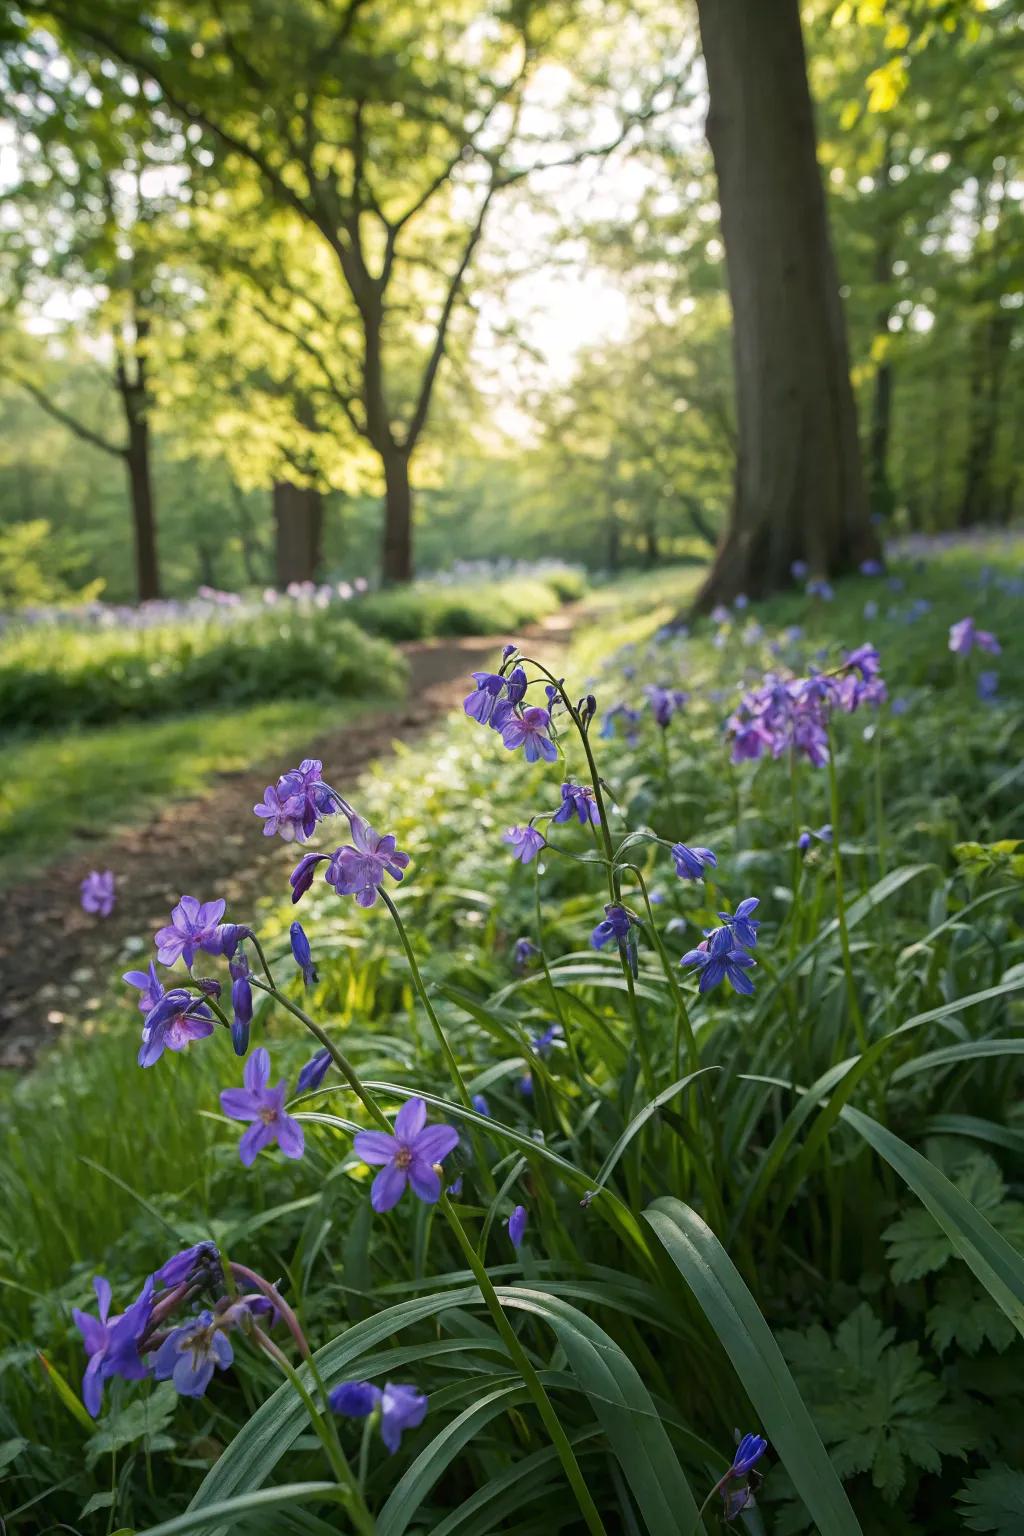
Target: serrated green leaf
x: 994, y: 1501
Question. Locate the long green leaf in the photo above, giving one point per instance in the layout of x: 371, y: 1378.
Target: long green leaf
x: 203, y: 1519
x: 747, y: 1340
x: 640, y: 1120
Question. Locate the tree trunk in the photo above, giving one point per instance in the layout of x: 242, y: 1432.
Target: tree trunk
x: 396, y: 550
x: 140, y: 488
x: 798, y: 492
x: 298, y: 531
x: 985, y: 395
x: 651, y: 543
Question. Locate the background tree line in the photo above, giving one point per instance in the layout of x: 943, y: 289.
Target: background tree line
x: 256, y: 262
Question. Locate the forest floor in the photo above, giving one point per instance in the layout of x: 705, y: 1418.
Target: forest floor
x: 54, y: 957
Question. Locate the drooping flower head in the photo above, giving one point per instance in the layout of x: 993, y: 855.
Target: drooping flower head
x: 358, y: 871
x: 580, y: 801
x: 302, y: 954
x: 523, y: 952
x: 112, y: 1343
x: 194, y: 925
x: 525, y: 842
x: 965, y: 635
x: 479, y: 705
x: 314, y: 1072
x: 293, y: 806
x: 98, y: 892
x: 241, y: 1006
x: 173, y: 1023
x: 406, y: 1157
x: 620, y: 925
x: 720, y: 958
x: 481, y: 1105
x: 198, y: 1258
x: 264, y: 1106
x: 742, y: 922
x: 691, y: 862
x: 531, y: 731
x: 400, y: 1407
x: 301, y: 877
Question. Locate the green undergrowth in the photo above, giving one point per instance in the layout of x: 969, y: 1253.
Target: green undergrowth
x: 818, y: 1238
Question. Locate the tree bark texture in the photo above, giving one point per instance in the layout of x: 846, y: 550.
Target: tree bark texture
x: 298, y: 532
x: 396, y: 549
x: 798, y: 490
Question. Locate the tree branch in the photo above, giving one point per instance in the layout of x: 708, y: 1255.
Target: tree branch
x: 80, y: 430
x: 343, y: 398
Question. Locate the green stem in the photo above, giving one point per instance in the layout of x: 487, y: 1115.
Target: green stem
x: 844, y: 934
x: 533, y: 1383
x: 556, y: 1001
x: 263, y: 959
x: 340, y: 1060
x: 417, y: 980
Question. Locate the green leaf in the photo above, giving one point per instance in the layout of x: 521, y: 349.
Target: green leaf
x: 757, y: 1360
x: 10, y: 1450
x: 994, y: 1501
x: 998, y: 1266
x: 917, y: 1245
x: 146, y: 1418
x: 98, y: 1501
x: 204, y: 1519
x: 964, y: 1315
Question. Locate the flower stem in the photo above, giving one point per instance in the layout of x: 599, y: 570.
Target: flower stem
x: 533, y: 1383
x: 417, y: 979
x: 341, y: 1061
x: 844, y: 934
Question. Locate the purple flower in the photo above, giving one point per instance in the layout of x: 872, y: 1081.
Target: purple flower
x: 479, y: 705
x: 543, y: 1042
x: 172, y: 1024
x: 580, y: 801
x: 742, y: 922
x: 294, y: 805
x: 819, y: 587
x: 241, y: 1004
x: 692, y: 862
x: 720, y: 614
x: 98, y: 892
x: 525, y: 842
x: 517, y: 685
x: 803, y: 842
x: 149, y: 984
x: 664, y: 702
x: 748, y: 1453
x: 524, y: 951
x: 112, y: 1343
x: 190, y: 1353
x: 265, y: 1108
x: 720, y: 960
x: 183, y: 1265
x: 864, y: 660
x: 406, y: 1157
x: 314, y: 1072
x: 530, y: 730
x: 360, y: 870
x: 303, y: 955
x: 798, y: 570
x: 988, y: 685
x: 400, y: 1407
x: 964, y: 636
x: 619, y: 925
x: 481, y: 1105
x: 871, y: 567
x: 301, y: 877
x: 517, y: 1225
x: 193, y: 926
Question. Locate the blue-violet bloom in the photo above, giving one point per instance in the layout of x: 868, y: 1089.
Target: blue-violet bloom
x: 302, y: 954
x: 525, y: 842
x: 172, y: 1024
x: 360, y: 870
x: 517, y: 1225
x: 265, y: 1108
x: 193, y: 926
x: 692, y: 862
x: 400, y: 1407
x: 190, y: 1353
x: 98, y: 892
x: 112, y: 1343
x: 580, y: 801
x: 314, y: 1072
x: 406, y: 1157
x: 530, y: 730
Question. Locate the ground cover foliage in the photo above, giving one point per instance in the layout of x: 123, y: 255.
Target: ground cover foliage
x: 167, y: 658
x: 804, y: 1223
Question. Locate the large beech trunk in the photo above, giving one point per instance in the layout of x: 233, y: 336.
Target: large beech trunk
x: 298, y: 532
x: 396, y: 550
x: 798, y: 492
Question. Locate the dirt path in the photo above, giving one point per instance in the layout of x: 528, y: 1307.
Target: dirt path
x: 55, y: 960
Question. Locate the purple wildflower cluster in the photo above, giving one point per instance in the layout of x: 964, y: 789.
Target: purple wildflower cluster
x: 136, y: 1343
x: 97, y: 892
x: 722, y: 954
x: 397, y: 1408
x: 965, y: 635
x: 498, y: 701
x: 786, y: 714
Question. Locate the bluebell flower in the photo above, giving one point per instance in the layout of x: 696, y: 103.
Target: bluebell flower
x: 799, y: 569
x: 97, y: 894
x: 314, y: 1072
x: 965, y: 635
x: 620, y: 925
x: 302, y: 954
x: 189, y: 1355
x: 988, y: 685
x: 820, y: 588
x: 525, y: 842
x: 400, y: 1407
x: 720, y: 959
x: 454, y: 1190
x: 112, y: 1343
x: 748, y: 1453
x: 517, y: 1225
x: 524, y: 951
x: 480, y: 1104
x: 150, y: 987
x: 720, y: 614
x: 530, y: 730
x: 580, y: 801
x: 182, y: 1266
x: 742, y: 922
x: 294, y: 805
x: 691, y: 862
x: 241, y: 1004
x: 516, y: 685
x: 479, y: 704
x: 543, y: 1042
x: 664, y: 702
x: 172, y: 1024
x: 406, y: 1157
x: 193, y: 926
x: 358, y: 871
x: 871, y: 567
x: 264, y: 1107
x: 301, y: 877
x: 803, y: 842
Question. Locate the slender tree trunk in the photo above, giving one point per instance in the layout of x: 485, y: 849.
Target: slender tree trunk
x: 140, y: 489
x: 985, y: 396
x: 798, y: 490
x: 298, y: 532
x: 396, y: 549
x: 651, y: 543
